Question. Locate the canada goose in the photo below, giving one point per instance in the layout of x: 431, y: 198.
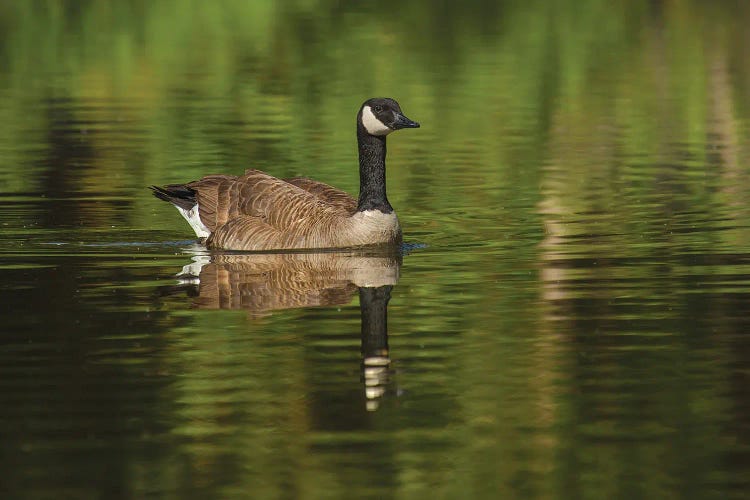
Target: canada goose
x: 257, y: 211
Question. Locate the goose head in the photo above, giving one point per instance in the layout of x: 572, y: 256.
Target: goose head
x: 380, y: 116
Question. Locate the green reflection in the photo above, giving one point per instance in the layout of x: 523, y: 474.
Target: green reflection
x: 572, y: 328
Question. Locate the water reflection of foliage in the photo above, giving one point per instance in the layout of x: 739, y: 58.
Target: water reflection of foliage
x: 574, y: 71
x: 601, y: 114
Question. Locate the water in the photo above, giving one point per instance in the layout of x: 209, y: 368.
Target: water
x: 568, y: 320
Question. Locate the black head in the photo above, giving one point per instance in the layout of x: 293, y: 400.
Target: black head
x: 380, y: 116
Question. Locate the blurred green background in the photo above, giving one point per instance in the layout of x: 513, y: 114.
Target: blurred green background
x: 571, y: 322
x: 220, y: 85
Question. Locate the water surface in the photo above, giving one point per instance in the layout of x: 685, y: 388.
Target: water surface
x: 568, y: 320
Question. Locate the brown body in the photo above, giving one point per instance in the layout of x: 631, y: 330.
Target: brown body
x: 257, y: 211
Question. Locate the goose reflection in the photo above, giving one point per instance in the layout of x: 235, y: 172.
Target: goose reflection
x: 263, y: 283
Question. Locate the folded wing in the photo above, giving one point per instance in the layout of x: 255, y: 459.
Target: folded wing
x: 257, y: 211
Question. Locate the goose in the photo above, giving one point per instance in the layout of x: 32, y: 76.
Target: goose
x: 259, y: 212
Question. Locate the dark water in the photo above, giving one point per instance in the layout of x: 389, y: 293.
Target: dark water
x: 570, y: 316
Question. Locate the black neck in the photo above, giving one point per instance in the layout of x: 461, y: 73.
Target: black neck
x: 371, y: 172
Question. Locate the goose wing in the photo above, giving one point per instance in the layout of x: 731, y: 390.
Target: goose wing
x: 326, y: 192
x: 257, y: 211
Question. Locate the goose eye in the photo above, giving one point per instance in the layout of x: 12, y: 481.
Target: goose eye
x: 378, y: 108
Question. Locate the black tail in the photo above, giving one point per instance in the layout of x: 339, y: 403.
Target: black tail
x: 177, y: 194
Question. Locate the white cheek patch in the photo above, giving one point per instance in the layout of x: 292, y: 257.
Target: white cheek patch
x: 372, y: 124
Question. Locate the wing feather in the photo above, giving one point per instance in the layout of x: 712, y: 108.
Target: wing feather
x: 258, y: 211
x: 207, y: 195
x: 326, y: 192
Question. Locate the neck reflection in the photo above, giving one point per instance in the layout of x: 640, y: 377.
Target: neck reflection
x: 373, y: 305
